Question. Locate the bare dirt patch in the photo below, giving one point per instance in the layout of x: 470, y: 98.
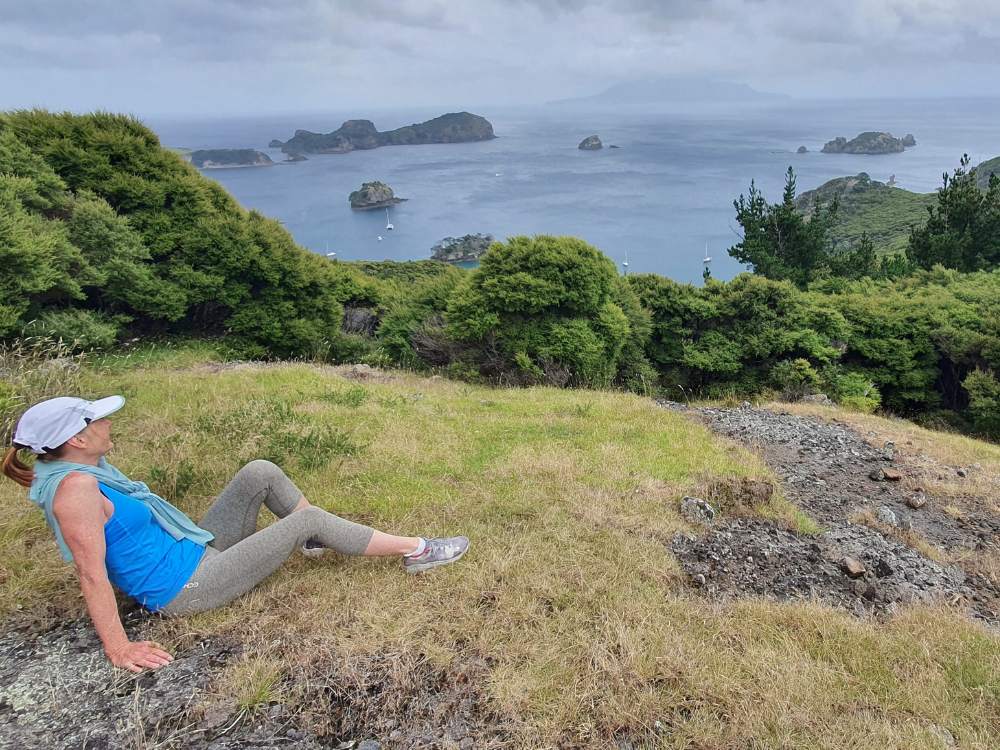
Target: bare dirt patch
x: 911, y: 544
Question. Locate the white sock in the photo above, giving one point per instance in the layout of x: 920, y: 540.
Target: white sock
x: 420, y: 548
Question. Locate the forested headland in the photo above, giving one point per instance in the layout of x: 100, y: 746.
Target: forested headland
x: 106, y: 236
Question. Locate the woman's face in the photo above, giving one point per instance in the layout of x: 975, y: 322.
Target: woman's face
x: 98, y: 435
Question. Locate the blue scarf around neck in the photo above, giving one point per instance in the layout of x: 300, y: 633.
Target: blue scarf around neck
x: 48, y: 475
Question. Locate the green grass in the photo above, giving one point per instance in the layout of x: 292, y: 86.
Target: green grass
x: 887, y: 216
x: 570, y: 602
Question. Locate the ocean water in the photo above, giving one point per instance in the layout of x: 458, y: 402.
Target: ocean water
x: 659, y: 200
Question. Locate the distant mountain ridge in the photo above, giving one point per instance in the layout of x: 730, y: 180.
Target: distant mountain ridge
x: 648, y: 91
x: 454, y: 127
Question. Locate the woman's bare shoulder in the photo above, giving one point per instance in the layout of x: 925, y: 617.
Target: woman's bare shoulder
x: 76, y: 485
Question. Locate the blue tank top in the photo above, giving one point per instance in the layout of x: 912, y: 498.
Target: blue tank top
x: 142, y: 559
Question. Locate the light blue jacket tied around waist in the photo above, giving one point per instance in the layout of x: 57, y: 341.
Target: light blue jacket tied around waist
x: 48, y: 475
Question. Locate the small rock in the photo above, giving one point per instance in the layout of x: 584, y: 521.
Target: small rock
x: 892, y: 475
x: 887, y: 516
x: 467, y: 743
x: 817, y: 398
x: 877, y: 475
x: 943, y: 734
x: 906, y: 524
x: 883, y: 568
x: 698, y: 580
x: 917, y: 501
x: 962, y: 472
x: 853, y: 567
x: 697, y: 511
x: 369, y: 745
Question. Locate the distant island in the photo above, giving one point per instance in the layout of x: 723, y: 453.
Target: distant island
x: 462, y: 249
x: 218, y: 158
x: 456, y: 127
x: 591, y: 143
x: 870, y: 142
x: 373, y: 195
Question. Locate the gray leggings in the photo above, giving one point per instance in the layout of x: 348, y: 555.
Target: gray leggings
x: 240, y: 557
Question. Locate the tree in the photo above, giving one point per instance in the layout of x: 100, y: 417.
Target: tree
x: 780, y: 243
x: 963, y: 230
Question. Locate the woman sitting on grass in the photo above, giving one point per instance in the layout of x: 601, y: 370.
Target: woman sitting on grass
x: 116, y: 531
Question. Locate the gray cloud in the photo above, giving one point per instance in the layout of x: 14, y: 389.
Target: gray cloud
x: 431, y: 51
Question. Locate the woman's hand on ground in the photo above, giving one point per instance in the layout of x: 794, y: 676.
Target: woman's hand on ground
x: 137, y: 655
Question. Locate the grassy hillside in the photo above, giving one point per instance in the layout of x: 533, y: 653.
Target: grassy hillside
x: 569, y: 619
x: 985, y: 170
x: 885, y: 213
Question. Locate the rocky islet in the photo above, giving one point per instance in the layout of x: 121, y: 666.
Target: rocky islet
x: 455, y: 127
x: 372, y: 195
x: 870, y: 142
x: 219, y: 158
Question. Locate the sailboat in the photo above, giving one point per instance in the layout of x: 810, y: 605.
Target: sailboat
x: 388, y: 224
x: 708, y: 258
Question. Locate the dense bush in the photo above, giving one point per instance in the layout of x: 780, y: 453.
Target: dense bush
x: 727, y: 337
x: 984, y: 401
x: 546, y: 309
x: 94, y: 214
x: 78, y: 329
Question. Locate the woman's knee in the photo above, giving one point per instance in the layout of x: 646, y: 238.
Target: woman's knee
x: 262, y: 470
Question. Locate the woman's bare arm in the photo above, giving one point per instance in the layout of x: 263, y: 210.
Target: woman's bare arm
x: 79, y: 508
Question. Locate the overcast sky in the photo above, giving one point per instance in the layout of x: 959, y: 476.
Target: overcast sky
x: 269, y: 56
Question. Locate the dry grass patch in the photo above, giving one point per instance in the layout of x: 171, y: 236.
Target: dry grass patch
x: 566, y: 620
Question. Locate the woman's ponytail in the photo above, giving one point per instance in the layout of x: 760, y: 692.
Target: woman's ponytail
x: 15, y: 468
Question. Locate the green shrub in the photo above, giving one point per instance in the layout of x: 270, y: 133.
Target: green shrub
x: 81, y: 330
x: 984, y: 401
x: 854, y: 390
x: 795, y: 378
x: 543, y: 309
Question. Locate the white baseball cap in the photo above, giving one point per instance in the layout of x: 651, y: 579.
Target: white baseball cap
x: 46, y: 426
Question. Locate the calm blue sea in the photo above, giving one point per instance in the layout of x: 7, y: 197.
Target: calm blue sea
x: 659, y: 199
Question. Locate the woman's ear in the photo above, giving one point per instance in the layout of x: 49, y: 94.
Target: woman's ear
x: 79, y: 440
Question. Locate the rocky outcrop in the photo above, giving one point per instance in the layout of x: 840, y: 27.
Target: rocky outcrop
x: 591, y: 143
x: 801, y: 150
x: 216, y: 158
x: 275, y: 143
x: 870, y: 142
x: 296, y: 157
x: 909, y: 141
x: 862, y: 559
x: 456, y: 127
x: 373, y: 195
x: 469, y: 247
